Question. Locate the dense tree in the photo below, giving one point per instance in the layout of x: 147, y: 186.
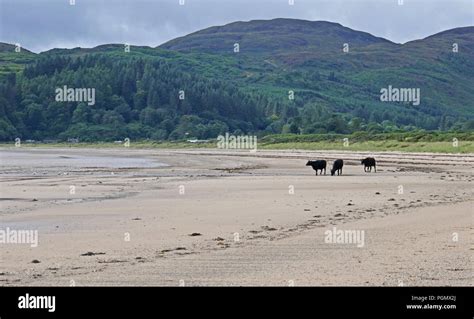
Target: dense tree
x: 157, y: 98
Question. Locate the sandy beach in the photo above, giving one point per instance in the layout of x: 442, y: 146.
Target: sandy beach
x: 217, y: 217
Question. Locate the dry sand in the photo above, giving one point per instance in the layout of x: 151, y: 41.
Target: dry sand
x: 217, y: 217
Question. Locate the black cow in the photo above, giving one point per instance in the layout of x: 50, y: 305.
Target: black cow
x: 320, y: 164
x: 337, y: 167
x: 368, y: 163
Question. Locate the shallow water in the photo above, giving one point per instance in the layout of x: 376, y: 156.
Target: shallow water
x: 43, y: 160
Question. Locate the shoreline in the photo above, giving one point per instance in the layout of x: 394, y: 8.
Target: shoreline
x: 192, y: 210
x: 449, y: 143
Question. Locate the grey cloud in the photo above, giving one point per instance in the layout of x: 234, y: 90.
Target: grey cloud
x: 43, y: 24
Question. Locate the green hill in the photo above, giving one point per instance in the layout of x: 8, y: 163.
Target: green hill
x: 137, y: 92
x: 13, y: 61
x: 272, y: 37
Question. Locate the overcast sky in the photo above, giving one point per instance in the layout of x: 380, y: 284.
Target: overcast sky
x: 40, y: 25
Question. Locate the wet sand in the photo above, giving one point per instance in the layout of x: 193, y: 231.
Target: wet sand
x: 217, y: 217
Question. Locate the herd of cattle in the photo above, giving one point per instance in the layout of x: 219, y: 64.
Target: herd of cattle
x: 320, y: 165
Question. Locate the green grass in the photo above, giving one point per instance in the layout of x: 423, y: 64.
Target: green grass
x: 267, y: 143
x: 100, y: 145
x: 436, y: 142
x: 12, y: 62
x: 376, y: 146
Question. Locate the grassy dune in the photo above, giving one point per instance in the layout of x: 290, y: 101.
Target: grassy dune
x: 389, y: 145
x: 434, y: 142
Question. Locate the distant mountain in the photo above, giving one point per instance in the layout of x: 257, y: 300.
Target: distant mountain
x: 6, y: 47
x: 13, y: 61
x: 81, y: 51
x: 464, y: 36
x: 272, y: 36
x: 289, y: 76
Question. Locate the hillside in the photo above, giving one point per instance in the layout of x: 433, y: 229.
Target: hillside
x: 12, y: 61
x: 137, y: 92
x: 271, y: 37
